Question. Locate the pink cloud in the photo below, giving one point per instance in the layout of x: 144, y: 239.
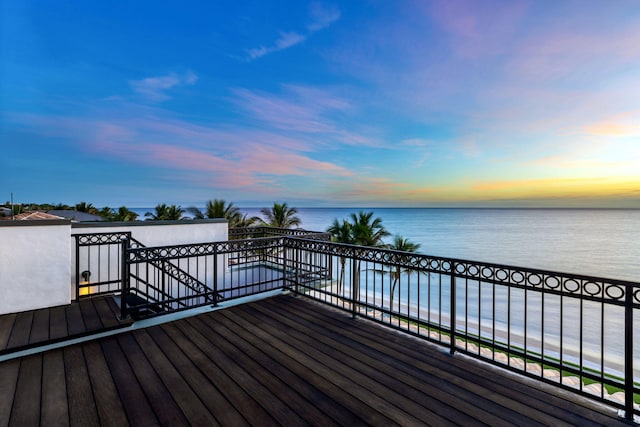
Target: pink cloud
x: 270, y: 160
x: 478, y: 29
x: 231, y: 158
x: 213, y: 170
x: 281, y: 113
x: 568, y: 52
x: 303, y: 110
x: 613, y: 129
x: 517, y: 69
x: 623, y: 124
x: 168, y: 129
x: 237, y: 166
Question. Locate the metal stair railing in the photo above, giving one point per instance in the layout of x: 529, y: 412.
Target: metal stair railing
x: 181, y: 276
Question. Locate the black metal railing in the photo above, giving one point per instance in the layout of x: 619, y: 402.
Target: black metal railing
x: 574, y: 331
x: 99, y: 270
x: 97, y: 263
x: 231, y: 269
x: 265, y: 231
x: 571, y: 330
x: 164, y: 285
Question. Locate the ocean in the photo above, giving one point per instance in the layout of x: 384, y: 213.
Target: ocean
x: 595, y: 242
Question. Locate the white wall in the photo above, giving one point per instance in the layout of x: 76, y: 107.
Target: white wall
x: 37, y: 258
x: 159, y: 233
x: 35, y: 264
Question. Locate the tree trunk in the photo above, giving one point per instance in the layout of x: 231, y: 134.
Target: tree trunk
x: 396, y: 279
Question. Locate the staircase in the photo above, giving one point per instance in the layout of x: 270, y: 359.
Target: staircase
x: 154, y: 300
x: 161, y: 286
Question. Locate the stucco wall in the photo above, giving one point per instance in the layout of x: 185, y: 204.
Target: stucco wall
x: 35, y: 265
x: 37, y: 258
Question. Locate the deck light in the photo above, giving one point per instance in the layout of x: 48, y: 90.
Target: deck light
x: 85, y: 276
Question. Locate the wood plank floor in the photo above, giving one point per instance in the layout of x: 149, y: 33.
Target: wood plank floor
x: 20, y: 331
x: 280, y: 361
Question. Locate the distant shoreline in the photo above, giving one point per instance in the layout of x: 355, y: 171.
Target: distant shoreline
x: 354, y: 208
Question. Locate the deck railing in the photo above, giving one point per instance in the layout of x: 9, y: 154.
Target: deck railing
x: 575, y: 331
x: 99, y: 267
x: 97, y: 263
x: 265, y: 231
x: 571, y: 330
x: 227, y: 269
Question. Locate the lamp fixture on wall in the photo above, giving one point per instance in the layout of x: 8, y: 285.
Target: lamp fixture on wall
x: 86, y: 275
x: 84, y: 289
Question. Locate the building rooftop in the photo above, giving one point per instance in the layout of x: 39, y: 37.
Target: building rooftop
x: 76, y: 215
x: 283, y: 360
x: 30, y: 216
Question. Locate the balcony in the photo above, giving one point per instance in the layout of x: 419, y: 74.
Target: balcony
x: 349, y: 335
x: 277, y: 361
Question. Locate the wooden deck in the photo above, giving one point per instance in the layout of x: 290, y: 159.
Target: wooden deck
x: 28, y: 329
x: 283, y: 360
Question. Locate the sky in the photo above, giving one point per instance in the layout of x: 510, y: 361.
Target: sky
x: 442, y: 103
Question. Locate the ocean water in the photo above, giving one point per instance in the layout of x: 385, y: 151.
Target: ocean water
x: 595, y: 242
x: 598, y: 242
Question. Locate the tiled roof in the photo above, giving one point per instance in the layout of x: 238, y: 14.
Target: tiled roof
x: 29, y: 216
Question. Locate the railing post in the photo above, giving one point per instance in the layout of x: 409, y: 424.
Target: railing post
x: 628, y: 353
x: 452, y: 309
x: 354, y: 286
x: 297, y: 270
x: 77, y: 239
x: 215, y: 275
x: 124, y: 276
x: 163, y: 281
x: 284, y: 264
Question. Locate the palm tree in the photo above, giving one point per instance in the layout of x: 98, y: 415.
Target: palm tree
x: 403, y: 245
x: 124, y: 214
x: 87, y: 208
x: 165, y: 212
x: 159, y: 214
x: 280, y: 215
x: 218, y: 208
x: 243, y: 221
x: 107, y: 213
x: 175, y: 212
x: 364, y: 231
x: 367, y: 232
x: 341, y: 232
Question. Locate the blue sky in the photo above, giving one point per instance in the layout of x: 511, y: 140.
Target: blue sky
x: 358, y: 103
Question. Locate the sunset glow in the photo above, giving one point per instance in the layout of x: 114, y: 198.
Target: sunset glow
x: 412, y: 103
